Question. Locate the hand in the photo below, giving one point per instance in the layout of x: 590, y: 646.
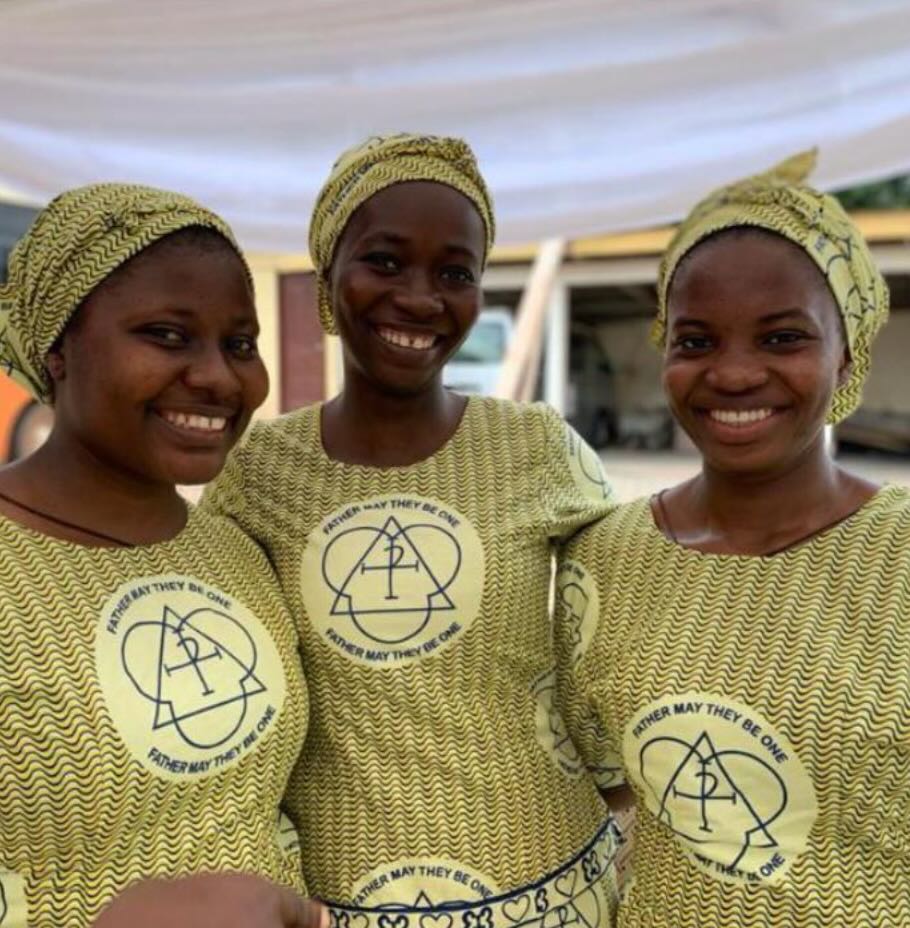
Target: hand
x: 212, y: 900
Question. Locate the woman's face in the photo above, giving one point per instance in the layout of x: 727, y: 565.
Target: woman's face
x: 405, y: 284
x: 754, y: 351
x: 158, y: 373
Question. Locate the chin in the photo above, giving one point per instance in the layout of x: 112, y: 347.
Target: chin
x: 746, y: 461
x: 191, y: 472
x: 408, y: 388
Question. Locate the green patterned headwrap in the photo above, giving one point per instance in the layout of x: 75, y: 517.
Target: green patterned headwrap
x: 779, y: 201
x: 372, y: 166
x: 76, y: 242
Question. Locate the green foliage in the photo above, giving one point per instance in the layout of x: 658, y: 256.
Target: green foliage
x: 886, y: 194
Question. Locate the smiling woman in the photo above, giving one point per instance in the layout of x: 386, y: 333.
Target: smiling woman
x: 749, y: 655
x: 151, y: 695
x: 413, y: 529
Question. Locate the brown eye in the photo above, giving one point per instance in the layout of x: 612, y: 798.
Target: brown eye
x: 458, y: 274
x: 243, y: 347
x: 166, y: 335
x: 383, y: 261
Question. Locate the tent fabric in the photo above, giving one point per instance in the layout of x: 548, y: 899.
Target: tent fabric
x: 587, y: 115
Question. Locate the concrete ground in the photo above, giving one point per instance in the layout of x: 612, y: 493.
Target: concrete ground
x: 641, y: 473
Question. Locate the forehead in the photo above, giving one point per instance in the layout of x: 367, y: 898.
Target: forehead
x: 209, y: 281
x: 419, y: 210
x: 749, y: 267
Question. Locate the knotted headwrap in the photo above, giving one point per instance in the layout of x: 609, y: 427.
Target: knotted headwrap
x: 779, y: 201
x: 376, y: 164
x: 77, y: 241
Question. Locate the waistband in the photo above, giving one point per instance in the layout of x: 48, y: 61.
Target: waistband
x: 581, y: 894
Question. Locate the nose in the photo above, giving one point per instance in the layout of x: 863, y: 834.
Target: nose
x: 418, y: 295
x: 209, y: 370
x: 737, y: 372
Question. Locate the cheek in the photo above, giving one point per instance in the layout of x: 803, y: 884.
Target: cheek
x: 255, y: 384
x: 677, y: 379
x: 352, y: 289
x: 466, y: 308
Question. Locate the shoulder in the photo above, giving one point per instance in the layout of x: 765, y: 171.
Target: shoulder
x: 270, y: 445
x: 509, y: 414
x: 300, y: 426
x: 885, y: 518
x: 625, y: 530
x: 537, y: 425
x: 220, y: 536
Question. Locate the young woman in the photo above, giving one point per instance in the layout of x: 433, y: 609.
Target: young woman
x: 151, y: 696
x: 745, y: 648
x: 412, y: 529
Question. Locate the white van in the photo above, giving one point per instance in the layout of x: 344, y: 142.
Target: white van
x: 477, y: 365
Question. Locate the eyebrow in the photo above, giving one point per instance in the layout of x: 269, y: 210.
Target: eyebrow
x: 785, y: 314
x: 393, y: 238
x: 184, y: 312
x: 769, y: 318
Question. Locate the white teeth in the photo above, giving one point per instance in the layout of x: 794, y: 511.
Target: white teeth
x: 740, y: 416
x: 402, y: 339
x: 192, y: 421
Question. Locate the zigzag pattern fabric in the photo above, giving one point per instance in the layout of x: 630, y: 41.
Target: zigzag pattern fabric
x: 761, y: 708
x: 779, y: 201
x: 151, y: 718
x: 378, y: 163
x: 437, y: 773
x: 77, y: 241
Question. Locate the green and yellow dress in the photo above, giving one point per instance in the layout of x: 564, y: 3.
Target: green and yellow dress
x: 761, y: 710
x: 152, y: 708
x: 437, y: 778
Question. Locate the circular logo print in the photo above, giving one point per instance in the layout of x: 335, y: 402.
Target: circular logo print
x: 421, y: 883
x: 552, y: 733
x: 391, y: 580
x: 190, y: 676
x: 13, y: 904
x: 586, y: 468
x: 725, y: 781
x: 577, y: 606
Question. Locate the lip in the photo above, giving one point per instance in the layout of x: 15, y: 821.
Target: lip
x: 196, y: 437
x: 739, y: 433
x: 407, y: 353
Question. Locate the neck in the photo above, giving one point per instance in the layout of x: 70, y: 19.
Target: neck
x: 363, y: 425
x: 65, y: 479
x: 752, y: 501
x: 760, y: 513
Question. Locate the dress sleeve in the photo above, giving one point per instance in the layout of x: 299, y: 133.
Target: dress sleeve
x: 581, y: 641
x: 576, y: 490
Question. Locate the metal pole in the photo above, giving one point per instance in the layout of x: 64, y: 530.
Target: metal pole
x: 556, y: 360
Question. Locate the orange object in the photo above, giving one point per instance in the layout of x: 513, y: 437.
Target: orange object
x: 13, y: 399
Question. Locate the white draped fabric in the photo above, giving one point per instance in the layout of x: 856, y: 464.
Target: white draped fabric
x: 587, y: 115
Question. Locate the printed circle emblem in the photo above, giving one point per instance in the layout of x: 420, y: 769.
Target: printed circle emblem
x: 577, y: 606
x: 190, y: 676
x: 13, y: 904
x: 391, y: 580
x: 552, y: 734
x: 725, y: 781
x: 586, y: 467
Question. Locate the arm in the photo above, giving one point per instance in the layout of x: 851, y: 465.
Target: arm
x: 583, y: 639
x: 212, y: 900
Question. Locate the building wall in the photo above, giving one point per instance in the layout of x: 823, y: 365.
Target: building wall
x: 635, y: 362
x: 888, y: 387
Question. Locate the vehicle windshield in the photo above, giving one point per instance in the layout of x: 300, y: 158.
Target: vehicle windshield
x: 485, y: 344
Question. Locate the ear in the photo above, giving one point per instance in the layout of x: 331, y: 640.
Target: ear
x: 845, y: 368
x: 56, y: 365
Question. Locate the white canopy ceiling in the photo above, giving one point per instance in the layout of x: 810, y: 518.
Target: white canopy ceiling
x: 587, y: 115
